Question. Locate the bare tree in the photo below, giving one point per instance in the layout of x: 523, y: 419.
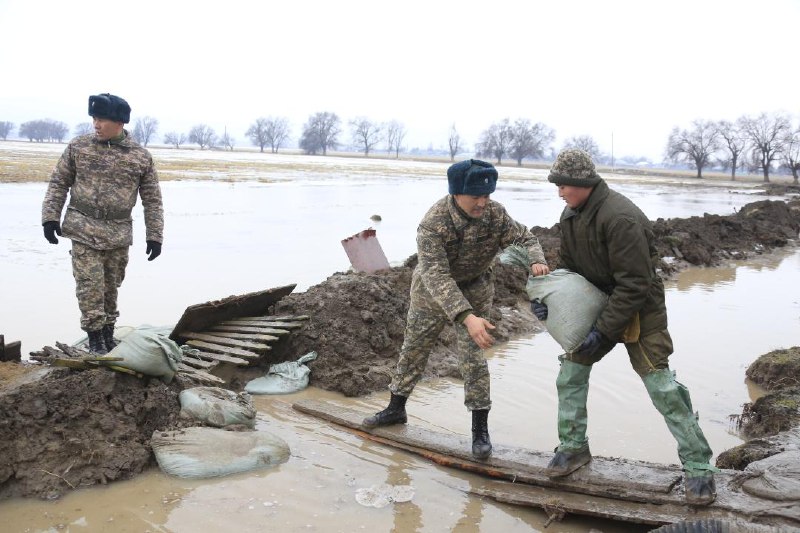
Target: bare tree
x: 203, y: 136
x: 529, y: 140
x: 790, y: 154
x: 454, y: 142
x: 144, y: 129
x: 766, y: 134
x: 269, y: 131
x: 495, y: 141
x: 395, y: 134
x: 366, y: 134
x: 227, y: 141
x: 175, y: 139
x: 83, y: 128
x: 694, y: 146
x: 5, y: 129
x: 585, y: 143
x: 732, y: 143
x: 320, y: 133
x: 43, y: 130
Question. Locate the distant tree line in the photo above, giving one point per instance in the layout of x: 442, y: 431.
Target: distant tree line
x: 755, y: 143
x: 760, y: 143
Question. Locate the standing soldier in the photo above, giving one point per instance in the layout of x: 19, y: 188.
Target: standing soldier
x: 609, y: 241
x: 103, y: 172
x: 457, y: 242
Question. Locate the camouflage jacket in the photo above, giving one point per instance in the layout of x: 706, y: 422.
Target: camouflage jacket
x: 455, y: 250
x: 610, y: 242
x: 103, y: 180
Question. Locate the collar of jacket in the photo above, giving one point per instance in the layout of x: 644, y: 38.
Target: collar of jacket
x: 460, y: 219
x: 593, y: 203
x: 124, y: 141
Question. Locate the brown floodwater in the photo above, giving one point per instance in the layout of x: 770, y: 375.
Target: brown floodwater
x: 230, y: 238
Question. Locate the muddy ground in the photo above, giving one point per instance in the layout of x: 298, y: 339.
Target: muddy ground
x: 63, y: 429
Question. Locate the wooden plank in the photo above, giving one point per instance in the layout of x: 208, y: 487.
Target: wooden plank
x: 634, y: 483
x: 222, y: 358
x: 198, y: 363
x: 225, y: 341
x: 198, y: 375
x: 282, y: 318
x: 249, y: 329
x: 246, y: 336
x: 261, y: 323
x: 201, y: 316
x: 211, y: 347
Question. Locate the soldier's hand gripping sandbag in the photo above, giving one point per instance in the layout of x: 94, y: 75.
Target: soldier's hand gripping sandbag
x: 153, y: 249
x: 51, y: 228
x: 590, y: 344
x: 539, y: 309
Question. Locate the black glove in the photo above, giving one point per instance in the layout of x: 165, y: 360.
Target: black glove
x: 51, y: 227
x: 590, y: 344
x: 154, y: 249
x: 539, y: 309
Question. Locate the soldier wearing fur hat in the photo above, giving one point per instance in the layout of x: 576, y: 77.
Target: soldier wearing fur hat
x: 103, y: 173
x: 457, y: 242
x: 609, y: 241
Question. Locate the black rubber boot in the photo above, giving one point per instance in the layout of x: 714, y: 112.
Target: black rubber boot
x: 566, y: 462
x: 96, y: 344
x: 481, y: 445
x: 395, y: 413
x: 108, y: 337
x: 700, y: 490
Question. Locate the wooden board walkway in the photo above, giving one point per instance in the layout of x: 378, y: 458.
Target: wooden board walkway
x: 619, y: 489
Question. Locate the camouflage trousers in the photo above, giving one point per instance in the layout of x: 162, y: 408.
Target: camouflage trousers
x: 98, y: 275
x: 423, y: 326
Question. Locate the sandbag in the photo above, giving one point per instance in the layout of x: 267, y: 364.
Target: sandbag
x: 283, y: 378
x: 203, y: 452
x: 776, y: 478
x: 217, y: 407
x: 573, y: 305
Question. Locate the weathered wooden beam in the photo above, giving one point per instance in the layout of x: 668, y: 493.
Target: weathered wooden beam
x: 211, y: 347
x: 11, y: 351
x: 274, y: 318
x: 198, y: 363
x: 225, y: 341
x: 261, y: 323
x: 250, y: 329
x: 193, y: 374
x: 222, y: 358
x: 242, y: 336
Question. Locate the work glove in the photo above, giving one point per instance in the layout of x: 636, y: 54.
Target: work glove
x: 539, y: 309
x: 51, y: 227
x: 154, y: 249
x: 590, y: 344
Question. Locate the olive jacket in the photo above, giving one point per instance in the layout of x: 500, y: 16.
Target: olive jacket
x: 609, y: 241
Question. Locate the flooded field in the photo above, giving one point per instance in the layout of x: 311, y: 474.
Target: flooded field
x: 282, y: 223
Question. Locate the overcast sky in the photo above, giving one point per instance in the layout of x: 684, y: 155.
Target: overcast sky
x: 634, y: 69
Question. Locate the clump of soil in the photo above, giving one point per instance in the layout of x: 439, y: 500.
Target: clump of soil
x: 772, y: 415
x: 70, y: 429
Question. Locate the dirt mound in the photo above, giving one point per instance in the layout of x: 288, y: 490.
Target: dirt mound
x: 70, y: 429
x: 776, y: 370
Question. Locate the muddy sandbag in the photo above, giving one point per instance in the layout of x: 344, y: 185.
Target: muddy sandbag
x: 217, y: 407
x: 775, y: 478
x: 573, y: 305
x: 283, y: 378
x: 203, y: 452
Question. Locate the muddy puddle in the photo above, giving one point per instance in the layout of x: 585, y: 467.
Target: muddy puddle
x: 229, y: 238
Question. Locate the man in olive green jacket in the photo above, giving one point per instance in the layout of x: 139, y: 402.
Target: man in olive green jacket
x: 609, y: 241
x: 457, y: 243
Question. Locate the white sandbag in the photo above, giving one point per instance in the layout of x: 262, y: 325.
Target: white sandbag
x: 147, y: 350
x: 217, y: 407
x: 775, y: 478
x: 283, y: 378
x: 573, y: 305
x: 203, y: 452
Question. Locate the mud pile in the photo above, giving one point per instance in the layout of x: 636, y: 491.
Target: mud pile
x: 62, y: 429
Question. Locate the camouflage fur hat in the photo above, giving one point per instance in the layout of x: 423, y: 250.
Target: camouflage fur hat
x: 109, y: 107
x: 573, y: 167
x: 473, y: 177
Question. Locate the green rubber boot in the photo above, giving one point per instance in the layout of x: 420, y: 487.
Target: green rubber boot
x: 573, y: 390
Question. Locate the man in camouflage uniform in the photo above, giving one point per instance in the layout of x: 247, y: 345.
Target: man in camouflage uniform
x: 103, y: 173
x: 609, y: 241
x: 457, y: 242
